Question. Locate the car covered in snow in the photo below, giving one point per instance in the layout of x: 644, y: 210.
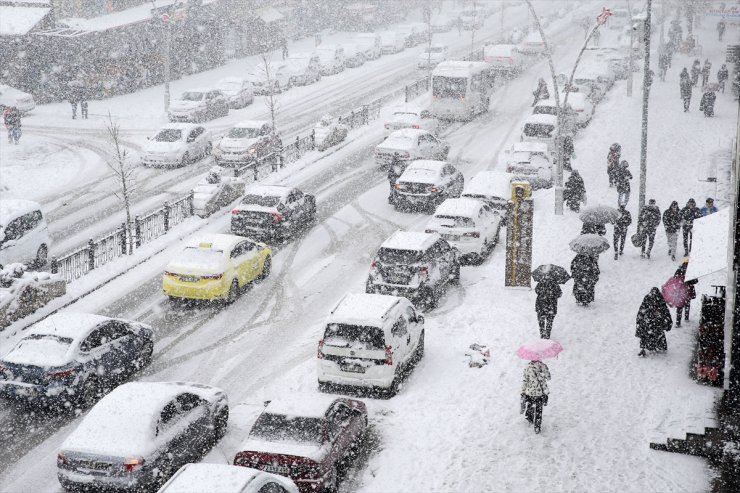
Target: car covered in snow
x: 224, y: 478
x: 532, y: 44
x: 24, y: 234
x: 139, y: 435
x: 246, y: 142
x: 504, y: 58
x: 353, y: 56
x: 432, y: 56
x: 408, y: 144
x: 69, y: 358
x: 392, y: 42
x: 273, y: 212
x: 579, y: 107
x: 425, y: 184
x: 550, y: 107
x: 237, y: 90
x: 216, y: 267
x: 328, y: 132
x: 279, y: 78
x: 371, y: 341
x: 469, y: 225
x: 307, y: 438
x: 616, y: 58
x: 176, y: 144
x: 215, y: 190
x: 303, y: 69
x: 412, y: 33
x: 197, y: 105
x: 10, y: 97
x: 369, y: 44
x: 491, y: 187
x: 411, y: 117
x: 331, y: 58
x: 540, y: 128
x: 417, y: 266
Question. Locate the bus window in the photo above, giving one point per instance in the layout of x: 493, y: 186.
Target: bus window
x: 449, y: 87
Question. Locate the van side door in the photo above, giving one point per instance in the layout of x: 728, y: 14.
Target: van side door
x: 401, y: 339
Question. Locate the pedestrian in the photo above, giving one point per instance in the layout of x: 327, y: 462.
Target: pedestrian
x: 670, y: 49
x: 612, y: 161
x: 317, y: 39
x: 6, y: 122
x: 721, y: 28
x: 707, y: 103
x: 585, y: 271
x: 695, y: 71
x: 395, y: 170
x: 683, y: 309
x: 541, y: 92
x: 285, y: 48
x: 83, y: 103
x: 535, y: 392
x: 706, y: 71
x: 574, y: 191
x: 620, y: 231
x: 647, y: 224
x: 688, y: 214
x: 566, y: 141
x: 622, y: 177
x: 722, y: 76
x: 709, y: 207
x: 663, y: 64
x: 653, y: 321
x: 686, y: 89
x: 672, y: 223
x: 596, y: 36
x: 548, y: 291
x: 649, y: 79
x: 14, y: 124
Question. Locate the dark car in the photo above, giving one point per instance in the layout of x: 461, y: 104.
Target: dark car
x: 417, y: 266
x: 306, y: 438
x: 273, y: 212
x: 425, y: 184
x: 69, y: 357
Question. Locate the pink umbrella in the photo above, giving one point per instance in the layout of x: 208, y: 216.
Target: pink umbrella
x: 675, y: 292
x: 539, y: 349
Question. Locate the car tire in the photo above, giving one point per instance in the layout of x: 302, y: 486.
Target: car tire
x: 331, y: 485
x: 395, y: 386
x: 419, y: 353
x: 220, y: 423
x: 325, y: 387
x: 233, y: 293
x: 266, y: 268
x: 185, y: 160
x: 42, y: 256
x: 429, y: 298
x: 455, y: 276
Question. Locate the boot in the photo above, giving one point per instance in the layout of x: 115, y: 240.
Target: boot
x: 616, y: 255
x: 642, y: 353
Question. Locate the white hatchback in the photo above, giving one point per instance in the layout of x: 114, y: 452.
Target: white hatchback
x: 24, y: 235
x: 411, y: 117
x: 176, y: 144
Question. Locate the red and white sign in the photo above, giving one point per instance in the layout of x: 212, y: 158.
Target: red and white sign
x: 603, y: 16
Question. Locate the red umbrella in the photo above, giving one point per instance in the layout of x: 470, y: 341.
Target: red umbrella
x: 675, y: 292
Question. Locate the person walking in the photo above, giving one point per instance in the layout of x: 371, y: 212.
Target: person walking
x: 683, y: 309
x: 574, y: 191
x: 695, y: 71
x: 686, y: 89
x: 709, y: 207
x: 647, y: 224
x: 707, y: 103
x: 6, y: 122
x: 622, y: 177
x: 546, y: 305
x: 395, y: 170
x: 535, y: 392
x: 688, y: 214
x: 653, y: 321
x: 721, y: 28
x: 612, y: 161
x: 83, y: 103
x: 284, y: 43
x: 585, y: 271
x: 620, y: 230
x: 672, y: 223
x: 541, y: 92
x: 722, y: 76
x: 566, y: 143
x: 13, y: 122
x: 663, y: 64
x: 706, y: 71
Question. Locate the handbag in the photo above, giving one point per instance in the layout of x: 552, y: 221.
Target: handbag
x: 637, y: 240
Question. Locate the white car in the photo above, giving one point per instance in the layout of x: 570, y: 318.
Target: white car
x: 530, y: 161
x: 369, y: 44
x: 238, y: 91
x: 331, y: 59
x: 176, y: 144
x: 549, y: 107
x: 540, y: 128
x: 533, y: 45
x: 493, y: 188
x: 371, y: 341
x: 425, y: 184
x: 409, y: 144
x: 278, y: 80
x: 411, y: 117
x: 303, y: 69
x: 245, y: 142
x: 198, y: 105
x: 14, y: 97
x: 353, y: 57
x: 469, y: 225
x: 24, y: 235
x: 504, y: 58
x: 224, y: 478
x: 582, y: 108
x: 392, y: 42
x: 432, y: 56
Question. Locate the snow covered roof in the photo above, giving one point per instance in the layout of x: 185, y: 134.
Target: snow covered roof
x: 222, y: 478
x: 542, y: 119
x: 251, y: 124
x: 710, y: 244
x: 179, y: 126
x: 407, y: 133
x: 217, y: 241
x: 489, y: 184
x: 301, y: 405
x: 75, y: 326
x: 268, y: 190
x: 410, y: 240
x: 12, y: 208
x: 17, y: 21
x: 422, y: 171
x: 363, y: 308
x: 535, y: 147
x: 458, y: 68
x: 460, y: 207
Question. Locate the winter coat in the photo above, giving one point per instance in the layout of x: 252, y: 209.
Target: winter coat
x: 688, y: 214
x: 541, y: 92
x: 536, y: 375
x: 672, y: 219
x: 612, y: 160
x: 653, y: 320
x: 690, y: 284
x: 722, y: 74
x: 685, y: 88
x: 574, y: 191
x: 695, y: 71
x: 705, y: 211
x: 706, y: 70
x: 548, y: 293
x: 622, y: 177
x: 707, y: 103
x: 649, y: 219
x: 13, y: 118
x: 623, y: 222
x: 585, y: 272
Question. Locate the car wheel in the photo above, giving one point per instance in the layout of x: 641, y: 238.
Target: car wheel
x: 266, y: 268
x: 331, y: 484
x: 395, y: 387
x: 185, y: 159
x: 145, y: 358
x: 325, y: 387
x: 41, y: 256
x: 233, y: 292
x: 455, y: 276
x: 370, y: 288
x: 429, y: 298
x: 419, y: 348
x: 220, y: 422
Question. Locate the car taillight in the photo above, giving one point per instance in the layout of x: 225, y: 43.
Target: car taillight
x: 424, y: 272
x: 171, y: 274
x: 61, y: 459
x: 415, y: 125
x: 579, y: 111
x: 276, y: 217
x: 61, y: 374
x: 235, y: 211
x: 388, y: 355
x: 472, y: 234
x: 434, y: 189
x: 320, y: 352
x: 132, y: 464
x: 213, y: 276
x: 374, y: 264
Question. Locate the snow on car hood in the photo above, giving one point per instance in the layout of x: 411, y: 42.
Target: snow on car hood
x: 159, y: 147
x: 313, y: 451
x: 238, y: 144
x: 181, y: 105
x: 394, y: 144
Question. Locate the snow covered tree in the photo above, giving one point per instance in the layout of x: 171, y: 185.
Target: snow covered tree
x: 273, y: 86
x: 124, y: 170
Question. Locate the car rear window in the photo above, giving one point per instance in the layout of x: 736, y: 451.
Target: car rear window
x: 345, y: 335
x: 263, y: 200
x: 449, y: 87
x: 168, y: 135
x: 455, y: 222
x: 243, y: 133
x: 545, y: 110
x: 281, y: 428
x: 395, y: 256
x: 538, y: 130
x: 204, y: 258
x: 192, y: 96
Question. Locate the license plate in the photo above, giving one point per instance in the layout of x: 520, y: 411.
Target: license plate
x: 352, y: 368
x: 276, y: 469
x: 189, y: 279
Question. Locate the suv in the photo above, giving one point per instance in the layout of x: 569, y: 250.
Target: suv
x: 425, y: 184
x: 273, y: 211
x: 246, y: 142
x: 24, y: 235
x: 370, y: 341
x: 198, y: 105
x: 408, y: 144
x: 418, y: 266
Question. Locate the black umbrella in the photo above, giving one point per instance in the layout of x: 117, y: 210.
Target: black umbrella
x: 589, y: 244
x: 599, y: 214
x: 552, y: 272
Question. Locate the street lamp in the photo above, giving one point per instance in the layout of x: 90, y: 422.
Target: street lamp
x: 646, y: 83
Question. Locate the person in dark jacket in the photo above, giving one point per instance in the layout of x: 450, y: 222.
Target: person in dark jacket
x: 709, y: 207
x: 546, y: 305
x: 622, y: 177
x: 566, y: 142
x: 13, y: 123
x: 663, y: 65
x: 612, y: 161
x: 686, y: 88
x: 653, y: 320
x: 695, y: 72
x: 395, y: 170
x: 706, y: 71
x: 672, y: 223
x: 721, y: 26
x: 688, y: 214
x: 620, y: 231
x: 541, y: 92
x: 575, y: 191
x: 707, y: 103
x: 722, y: 76
x: 647, y: 224
x: 585, y: 272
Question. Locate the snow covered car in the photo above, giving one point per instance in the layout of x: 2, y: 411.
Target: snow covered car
x: 176, y: 144
x: 69, y: 358
x: 425, y: 184
x: 247, y: 142
x: 409, y: 144
x: 410, y: 33
x: 223, y: 478
x: 137, y: 436
x: 353, y: 57
x: 491, y: 187
x: 616, y: 58
x: 278, y: 81
x: 504, y: 59
x: 307, y: 438
x: 237, y: 90
x: 432, y: 56
x: 549, y: 107
x: 24, y: 234
x: 15, y: 97
x: 369, y: 44
x: 582, y: 110
x: 533, y: 45
x: 198, y: 105
x: 392, y: 42
x: 216, y: 190
x: 331, y: 58
x: 273, y: 212
x: 329, y: 132
x: 411, y: 117
x: 469, y: 225
x: 540, y: 128
x: 303, y: 69
x: 371, y: 341
x: 216, y: 267
x: 530, y: 165
x: 417, y: 266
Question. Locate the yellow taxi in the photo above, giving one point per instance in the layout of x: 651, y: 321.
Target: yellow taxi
x: 216, y: 267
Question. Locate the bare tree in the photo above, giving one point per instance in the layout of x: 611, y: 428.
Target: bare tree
x: 428, y: 19
x: 124, y: 169
x: 272, y: 86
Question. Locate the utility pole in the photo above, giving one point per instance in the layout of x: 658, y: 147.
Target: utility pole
x: 503, y: 7
x: 167, y: 43
x: 472, y: 31
x: 631, y: 71
x: 646, y: 80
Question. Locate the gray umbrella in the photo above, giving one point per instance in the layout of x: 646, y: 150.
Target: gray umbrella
x: 599, y: 214
x: 550, y: 271
x: 589, y: 244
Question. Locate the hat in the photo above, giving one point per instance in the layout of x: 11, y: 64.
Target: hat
x: 691, y: 201
x: 651, y: 201
x: 710, y: 200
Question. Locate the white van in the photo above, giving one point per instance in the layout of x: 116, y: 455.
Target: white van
x: 24, y: 235
x: 371, y: 341
x: 391, y: 42
x: 504, y: 58
x: 461, y: 90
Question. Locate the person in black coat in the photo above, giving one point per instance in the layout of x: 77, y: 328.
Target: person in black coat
x: 546, y: 306
x: 686, y: 88
x: 620, y: 230
x: 647, y: 224
x: 574, y: 192
x: 653, y: 320
x: 612, y: 161
x: 541, y: 92
x: 706, y: 70
x: 672, y: 223
x: 622, y: 177
x: 722, y: 76
x: 707, y: 103
x: 688, y: 214
x: 395, y: 170
x: 585, y: 272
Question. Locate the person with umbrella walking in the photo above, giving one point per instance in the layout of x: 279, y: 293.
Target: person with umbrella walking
x: 585, y: 271
x: 653, y: 320
x: 686, y: 88
x: 535, y: 392
x: 672, y: 223
x: 612, y: 161
x: 622, y: 177
x: 548, y: 291
x: 647, y: 224
x: 688, y: 214
x: 620, y: 230
x: 574, y: 191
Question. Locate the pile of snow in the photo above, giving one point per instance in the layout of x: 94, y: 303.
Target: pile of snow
x: 23, y: 292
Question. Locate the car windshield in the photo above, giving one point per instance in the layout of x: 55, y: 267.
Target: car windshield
x: 449, y: 87
x: 395, y: 256
x: 541, y: 130
x: 263, y: 200
x: 192, y: 96
x: 168, y: 135
x: 345, y: 335
x: 455, y: 222
x: 545, y: 110
x: 243, y: 133
x: 280, y: 428
x: 204, y: 258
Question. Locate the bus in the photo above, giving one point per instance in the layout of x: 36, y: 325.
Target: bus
x: 461, y: 90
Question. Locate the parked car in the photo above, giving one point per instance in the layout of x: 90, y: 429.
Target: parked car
x: 411, y: 34
x: 425, y: 184
x: 353, y: 57
x: 410, y: 116
x: 176, y: 144
x: 246, y: 142
x: 469, y: 225
x: 137, y: 436
x: 533, y: 45
x: 442, y: 23
x: 304, y: 69
x: 10, y: 96
x: 549, y: 107
x: 24, y: 234
x: 580, y: 108
x: 392, y: 42
x: 329, y: 132
x: 308, y: 439
x: 417, y: 266
x: 504, y: 59
x: 69, y: 358
x: 540, y: 128
x: 369, y: 44
x: 432, y: 56
x: 530, y: 161
x: 409, y: 144
x: 223, y: 478
x: 493, y: 188
x: 331, y: 59
x: 279, y: 79
x: 237, y: 90
x: 370, y: 341
x: 273, y: 212
x: 198, y: 105
x: 216, y: 267
x: 616, y: 58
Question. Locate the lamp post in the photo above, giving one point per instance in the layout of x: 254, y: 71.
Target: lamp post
x: 630, y: 72
x: 646, y: 83
x: 167, y: 43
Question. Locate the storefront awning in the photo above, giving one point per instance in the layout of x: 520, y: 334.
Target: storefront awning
x: 268, y: 15
x: 17, y: 21
x: 710, y: 244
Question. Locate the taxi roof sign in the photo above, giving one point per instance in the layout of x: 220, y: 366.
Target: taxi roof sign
x: 205, y: 245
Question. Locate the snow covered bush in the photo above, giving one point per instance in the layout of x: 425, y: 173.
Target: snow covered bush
x: 22, y: 293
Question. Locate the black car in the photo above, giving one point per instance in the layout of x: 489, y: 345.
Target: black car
x: 273, y: 212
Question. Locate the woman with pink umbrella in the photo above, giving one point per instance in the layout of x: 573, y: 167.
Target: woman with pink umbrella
x: 536, y: 375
